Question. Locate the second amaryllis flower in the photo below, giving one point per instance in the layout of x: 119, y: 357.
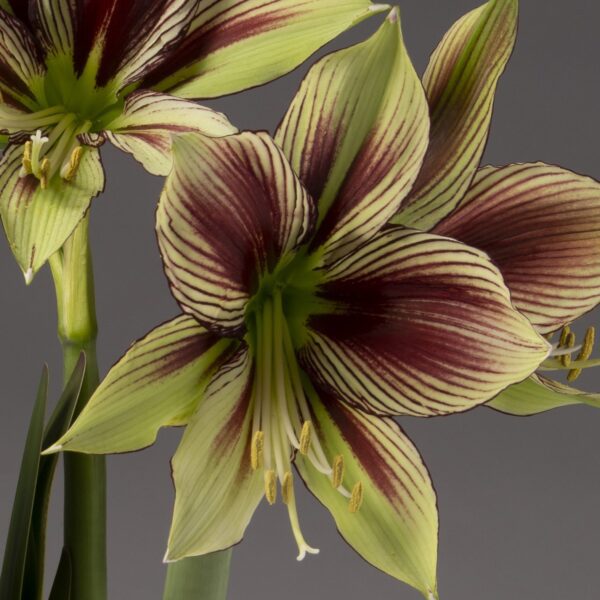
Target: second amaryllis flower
x: 307, y: 323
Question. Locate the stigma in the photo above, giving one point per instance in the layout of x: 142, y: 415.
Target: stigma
x: 282, y: 423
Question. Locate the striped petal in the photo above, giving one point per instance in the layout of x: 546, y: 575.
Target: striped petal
x: 38, y: 221
x: 53, y: 21
x: 21, y: 68
x: 396, y: 526
x: 148, y: 121
x: 356, y: 134
x: 460, y: 83
x: 158, y: 383
x: 216, y: 490
x: 541, y: 226
x: 231, y: 208
x: 539, y: 394
x: 423, y: 326
x: 233, y: 46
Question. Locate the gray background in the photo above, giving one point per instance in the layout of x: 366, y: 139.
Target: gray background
x: 518, y: 498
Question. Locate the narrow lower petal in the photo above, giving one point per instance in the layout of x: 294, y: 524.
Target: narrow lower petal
x: 149, y: 120
x: 233, y: 46
x: 216, y: 490
x: 540, y: 224
x: 395, y: 526
x: 460, y: 83
x: 539, y: 394
x: 230, y: 209
x: 157, y: 383
x: 38, y: 221
x: 54, y: 23
x: 356, y: 134
x: 424, y: 326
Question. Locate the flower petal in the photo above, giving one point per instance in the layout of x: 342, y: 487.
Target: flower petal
x: 540, y: 224
x: 539, y: 394
x: 149, y: 119
x: 158, y: 383
x: 20, y: 65
x: 38, y: 221
x: 216, y: 490
x: 424, y: 326
x: 396, y: 527
x: 233, y: 46
x: 53, y: 21
x: 356, y: 134
x: 460, y: 83
x: 230, y: 209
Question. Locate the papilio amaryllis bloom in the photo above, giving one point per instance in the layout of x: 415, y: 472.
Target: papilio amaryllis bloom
x: 540, y: 224
x: 74, y: 73
x: 308, y: 323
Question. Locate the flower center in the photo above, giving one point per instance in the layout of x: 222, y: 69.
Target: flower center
x: 282, y: 424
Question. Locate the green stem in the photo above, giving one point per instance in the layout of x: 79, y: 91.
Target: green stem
x: 199, y: 578
x: 85, y: 476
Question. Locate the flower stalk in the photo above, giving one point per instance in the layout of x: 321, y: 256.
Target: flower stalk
x: 85, y: 476
x: 199, y: 578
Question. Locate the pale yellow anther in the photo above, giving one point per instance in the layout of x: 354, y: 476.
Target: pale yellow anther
x: 563, y: 336
x: 337, y: 476
x: 571, y: 340
x: 588, y: 344
x: 573, y: 375
x: 357, y: 497
x: 257, y: 450
x: 566, y: 360
x: 287, y: 488
x: 305, y: 436
x: 44, y: 172
x: 69, y: 170
x: 271, y: 486
x: 27, y: 169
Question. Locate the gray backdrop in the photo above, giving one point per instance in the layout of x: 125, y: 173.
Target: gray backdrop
x: 518, y: 498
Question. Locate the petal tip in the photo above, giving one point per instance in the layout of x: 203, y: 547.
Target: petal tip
x: 378, y: 8
x: 28, y: 276
x: 53, y: 449
x: 394, y: 15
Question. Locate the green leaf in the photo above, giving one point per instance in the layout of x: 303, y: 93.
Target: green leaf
x: 57, y: 425
x: 38, y: 221
x: 15, y: 554
x: 396, y: 526
x: 460, y: 83
x: 539, y: 394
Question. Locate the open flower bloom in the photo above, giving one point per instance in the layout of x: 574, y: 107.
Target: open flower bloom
x: 540, y: 224
x: 308, y: 323
x: 74, y: 73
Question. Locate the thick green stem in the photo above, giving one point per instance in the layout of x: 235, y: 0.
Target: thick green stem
x: 85, y: 476
x: 199, y: 578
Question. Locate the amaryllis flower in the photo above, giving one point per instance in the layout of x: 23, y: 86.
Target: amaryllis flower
x: 307, y: 323
x: 540, y: 224
x: 74, y: 73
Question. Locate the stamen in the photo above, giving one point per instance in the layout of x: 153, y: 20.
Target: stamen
x: 44, y: 172
x: 257, y: 450
x: 37, y: 143
x: 586, y: 351
x: 27, y: 169
x: 287, y: 488
x: 338, y: 471
x: 69, y: 169
x: 271, y: 486
x: 357, y: 497
x: 305, y: 437
x: 564, y: 335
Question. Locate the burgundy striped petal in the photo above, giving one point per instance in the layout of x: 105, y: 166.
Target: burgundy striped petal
x: 53, y: 21
x: 356, y: 133
x: 423, y: 326
x: 460, y: 83
x: 148, y: 121
x: 541, y: 226
x: 231, y: 208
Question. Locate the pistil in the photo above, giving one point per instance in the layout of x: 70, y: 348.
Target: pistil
x: 561, y: 357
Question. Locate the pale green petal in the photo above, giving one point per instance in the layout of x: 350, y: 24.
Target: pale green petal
x: 38, y: 221
x: 216, y: 490
x: 539, y: 394
x: 460, y: 83
x: 356, y: 134
x: 396, y: 527
x: 157, y: 383
x: 233, y: 46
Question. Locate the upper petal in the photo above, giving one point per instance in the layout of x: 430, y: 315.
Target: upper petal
x: 232, y: 46
x: 148, y: 121
x: 356, y: 133
x: 423, y: 326
x: 38, y: 221
x: 460, y: 83
x: 216, y: 490
x: 230, y: 209
x: 396, y: 527
x: 157, y: 383
x: 540, y: 224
